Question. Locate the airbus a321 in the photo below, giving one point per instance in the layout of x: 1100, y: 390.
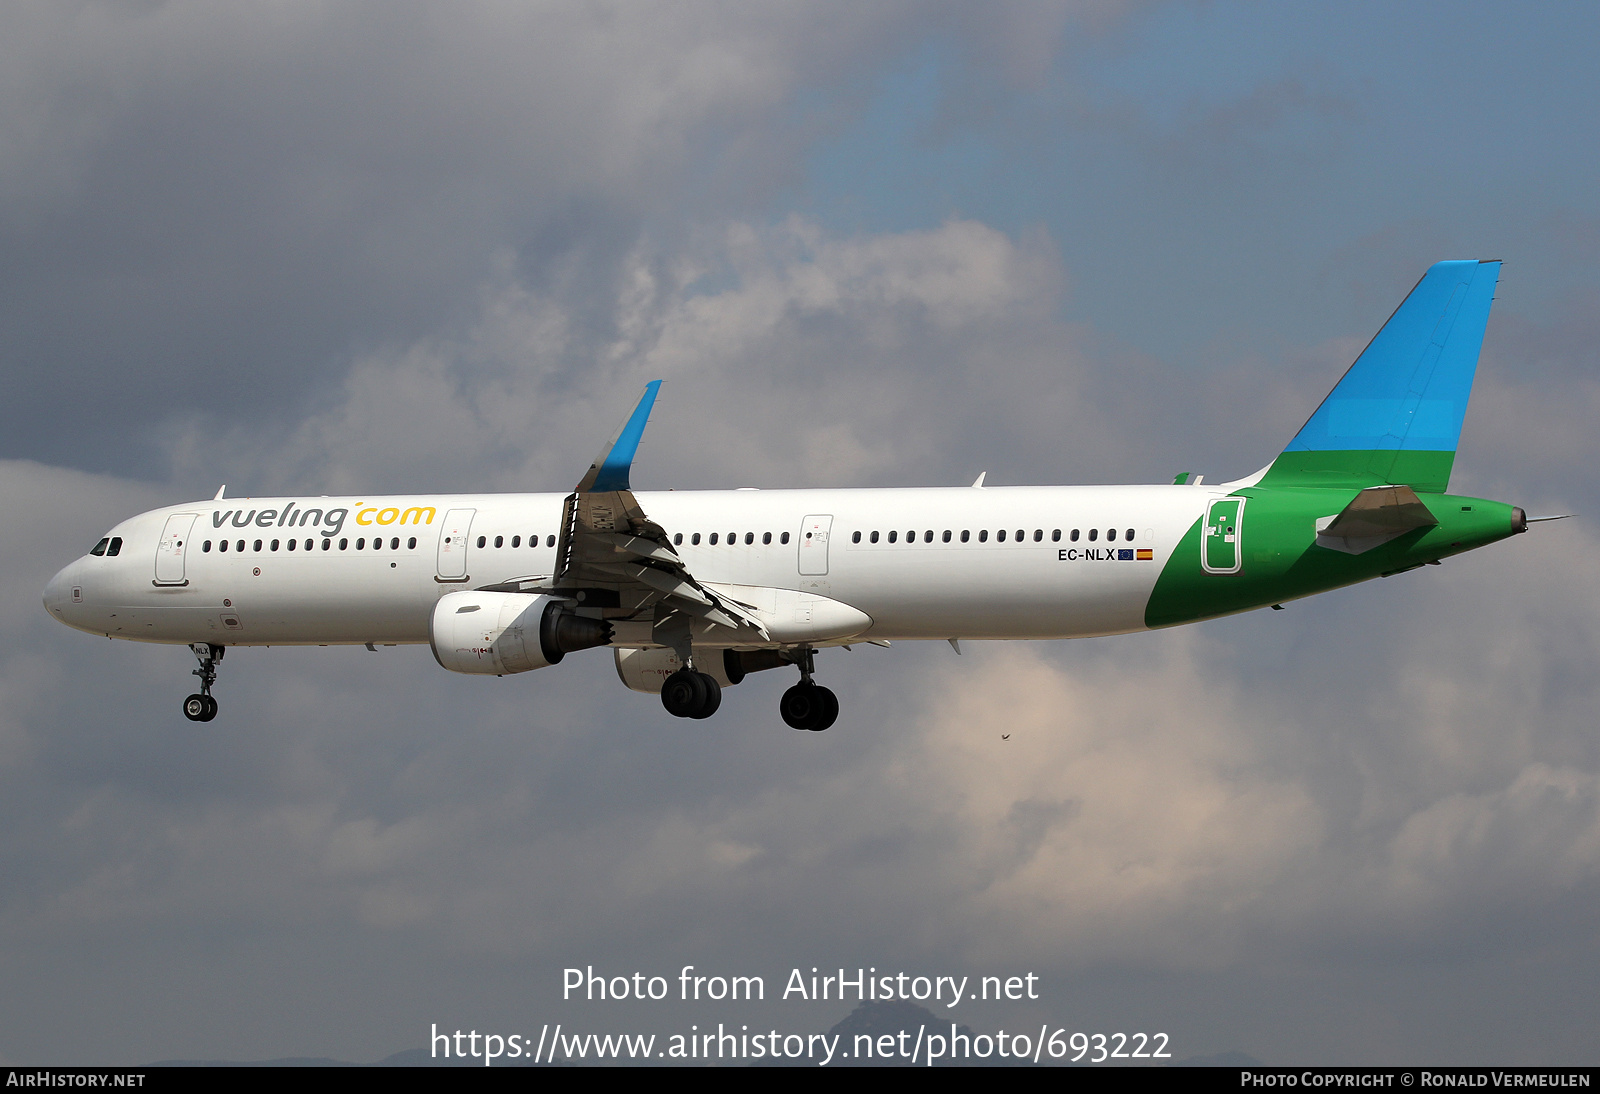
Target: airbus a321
x: 694, y: 590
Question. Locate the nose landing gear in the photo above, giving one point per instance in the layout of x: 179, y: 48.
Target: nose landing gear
x: 808, y: 705
x: 201, y: 707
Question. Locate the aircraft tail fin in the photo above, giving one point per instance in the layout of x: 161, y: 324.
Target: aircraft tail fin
x: 1395, y: 418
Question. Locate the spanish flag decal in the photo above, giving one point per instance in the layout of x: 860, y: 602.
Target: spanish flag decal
x: 1145, y: 554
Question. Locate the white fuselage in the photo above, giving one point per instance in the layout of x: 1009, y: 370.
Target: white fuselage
x: 1056, y: 573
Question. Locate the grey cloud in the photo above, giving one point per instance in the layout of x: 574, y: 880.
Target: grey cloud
x: 206, y: 208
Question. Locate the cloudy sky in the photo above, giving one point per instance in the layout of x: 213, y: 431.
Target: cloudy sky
x: 320, y: 248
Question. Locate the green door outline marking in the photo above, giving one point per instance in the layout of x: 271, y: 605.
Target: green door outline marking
x: 1219, y: 546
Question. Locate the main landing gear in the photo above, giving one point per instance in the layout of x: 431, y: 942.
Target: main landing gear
x: 201, y: 707
x: 690, y: 694
x: 808, y: 705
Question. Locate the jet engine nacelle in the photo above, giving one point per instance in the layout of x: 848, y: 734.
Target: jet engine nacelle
x: 496, y: 634
x: 647, y: 670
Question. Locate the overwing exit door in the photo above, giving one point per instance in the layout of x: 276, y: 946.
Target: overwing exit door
x: 814, y: 544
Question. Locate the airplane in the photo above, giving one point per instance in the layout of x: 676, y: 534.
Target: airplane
x: 695, y: 590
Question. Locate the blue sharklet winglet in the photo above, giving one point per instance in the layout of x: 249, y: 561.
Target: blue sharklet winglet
x: 610, y: 469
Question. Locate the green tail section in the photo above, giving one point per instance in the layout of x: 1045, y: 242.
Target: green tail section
x: 1261, y: 546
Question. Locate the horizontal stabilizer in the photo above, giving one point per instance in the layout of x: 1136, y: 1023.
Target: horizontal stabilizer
x: 1374, y: 517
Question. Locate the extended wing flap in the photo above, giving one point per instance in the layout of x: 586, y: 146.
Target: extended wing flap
x: 639, y: 547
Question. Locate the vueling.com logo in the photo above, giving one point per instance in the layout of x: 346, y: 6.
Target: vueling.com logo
x: 330, y: 522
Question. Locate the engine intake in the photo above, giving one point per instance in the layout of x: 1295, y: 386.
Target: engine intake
x: 497, y: 634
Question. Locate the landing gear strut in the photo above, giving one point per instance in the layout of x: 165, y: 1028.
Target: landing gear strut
x: 808, y: 705
x: 690, y: 694
x: 200, y: 707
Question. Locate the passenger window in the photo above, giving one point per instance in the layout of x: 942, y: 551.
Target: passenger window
x: 893, y: 536
x: 1019, y: 535
x: 1074, y: 536
x: 256, y: 546
x: 344, y: 544
x: 327, y: 544
x: 394, y: 544
x: 733, y: 537
x: 784, y: 538
x: 983, y: 536
x: 873, y: 538
x: 677, y: 540
x: 1000, y: 536
x: 361, y: 544
x: 713, y: 539
x: 100, y: 548
x: 549, y: 541
x: 1094, y: 534
x: 411, y: 544
x: 694, y: 540
x: 1038, y: 534
x: 499, y: 541
x: 947, y: 535
x: 274, y: 545
x: 1128, y: 534
x: 116, y: 547
x: 965, y: 535
x: 223, y: 546
x: 481, y: 541
x: 1055, y: 537
x: 855, y: 537
x: 205, y: 548
x: 516, y: 541
x: 749, y: 538
x: 238, y: 545
x: 927, y: 537
x: 1111, y: 534
x: 766, y: 537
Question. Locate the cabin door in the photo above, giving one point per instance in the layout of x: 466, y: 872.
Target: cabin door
x: 173, y: 547
x: 454, y: 536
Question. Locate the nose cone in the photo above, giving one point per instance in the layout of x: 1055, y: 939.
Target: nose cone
x: 58, y: 594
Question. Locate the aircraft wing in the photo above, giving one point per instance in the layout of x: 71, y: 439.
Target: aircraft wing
x: 608, y: 545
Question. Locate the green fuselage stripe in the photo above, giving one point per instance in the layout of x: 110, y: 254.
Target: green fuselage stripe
x: 1281, y: 560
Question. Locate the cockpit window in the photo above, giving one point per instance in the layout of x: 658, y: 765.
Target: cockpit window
x: 115, y: 548
x: 100, y: 548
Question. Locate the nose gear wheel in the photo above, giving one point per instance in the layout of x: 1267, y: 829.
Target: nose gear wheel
x: 201, y: 707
